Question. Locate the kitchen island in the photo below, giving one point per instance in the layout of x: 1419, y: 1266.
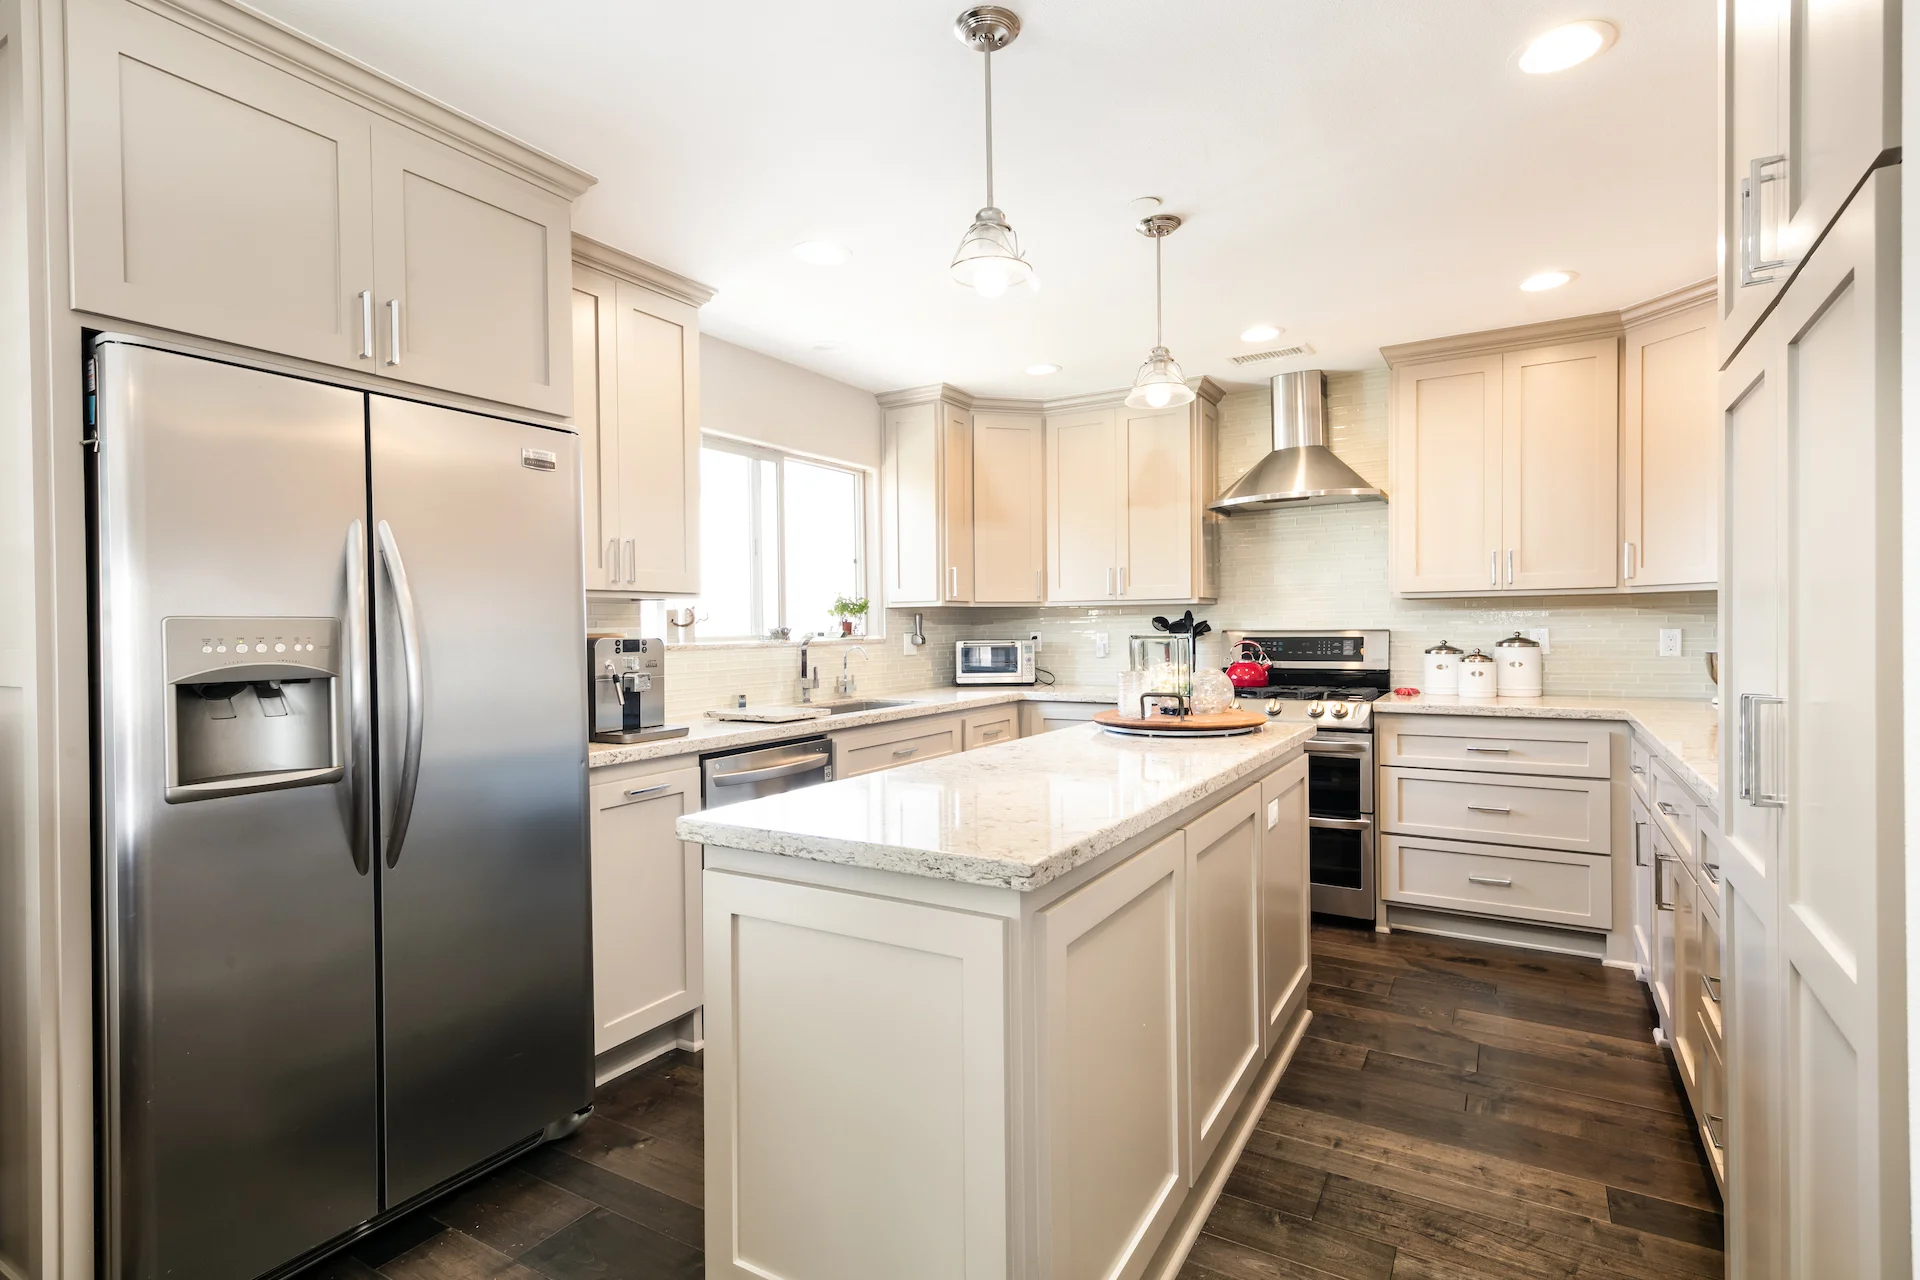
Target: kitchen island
x: 1009, y: 1013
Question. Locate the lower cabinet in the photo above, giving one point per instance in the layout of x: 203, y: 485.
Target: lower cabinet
x: 1640, y: 844
x: 646, y: 905
x: 1045, y: 717
x: 882, y: 746
x: 994, y: 725
x: 1285, y: 897
x: 1224, y: 871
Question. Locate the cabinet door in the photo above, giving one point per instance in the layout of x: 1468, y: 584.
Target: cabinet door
x: 471, y: 268
x: 956, y: 503
x: 595, y: 412
x: 1670, y: 455
x: 1666, y: 869
x: 658, y: 412
x: 1086, y: 490
x: 911, y: 493
x: 1158, y: 528
x: 646, y: 906
x: 1753, y: 36
x: 213, y: 194
x: 1642, y: 882
x: 1224, y: 874
x: 1113, y: 982
x: 1831, y: 760
x: 1285, y: 962
x: 1009, y: 506
x: 990, y: 727
x: 1445, y: 513
x: 1686, y: 976
x: 1560, y: 465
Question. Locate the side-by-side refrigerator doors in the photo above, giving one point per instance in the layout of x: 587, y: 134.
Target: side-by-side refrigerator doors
x: 482, y: 675
x: 239, y: 1119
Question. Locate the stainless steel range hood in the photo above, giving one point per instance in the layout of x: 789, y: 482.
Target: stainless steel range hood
x: 1301, y: 471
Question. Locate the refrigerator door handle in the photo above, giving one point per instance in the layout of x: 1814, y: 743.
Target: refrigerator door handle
x: 359, y: 702
x: 416, y: 692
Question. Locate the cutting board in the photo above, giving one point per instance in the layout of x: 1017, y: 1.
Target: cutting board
x: 1218, y: 724
x: 769, y: 715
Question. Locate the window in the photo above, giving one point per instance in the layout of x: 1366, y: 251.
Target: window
x: 780, y: 538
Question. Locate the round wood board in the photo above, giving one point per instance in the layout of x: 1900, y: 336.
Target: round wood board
x: 1218, y: 723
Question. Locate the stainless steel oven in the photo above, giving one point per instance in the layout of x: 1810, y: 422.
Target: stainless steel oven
x: 1340, y: 823
x: 993, y: 662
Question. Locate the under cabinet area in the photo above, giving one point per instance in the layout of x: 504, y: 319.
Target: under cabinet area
x: 256, y: 199
x: 636, y: 375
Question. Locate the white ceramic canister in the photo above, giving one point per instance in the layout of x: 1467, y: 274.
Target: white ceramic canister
x: 1442, y: 674
x: 1518, y: 660
x: 1477, y: 678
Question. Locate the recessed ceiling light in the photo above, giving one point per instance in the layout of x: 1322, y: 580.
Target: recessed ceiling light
x: 1567, y: 46
x: 822, y: 253
x: 1042, y: 370
x: 1259, y: 333
x: 1541, y: 281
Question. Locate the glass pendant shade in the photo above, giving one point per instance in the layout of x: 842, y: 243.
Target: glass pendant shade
x: 989, y: 260
x: 1160, y: 384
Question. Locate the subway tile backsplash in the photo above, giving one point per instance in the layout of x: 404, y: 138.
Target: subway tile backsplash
x: 1318, y: 568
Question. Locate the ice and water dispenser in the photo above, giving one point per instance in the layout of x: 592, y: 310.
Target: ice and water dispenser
x: 251, y: 705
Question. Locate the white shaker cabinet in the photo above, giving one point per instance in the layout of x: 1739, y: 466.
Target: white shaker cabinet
x: 1669, y: 453
x: 1559, y: 446
x: 1085, y: 502
x: 229, y: 181
x: 1445, y: 449
x: 646, y: 906
x: 926, y: 499
x: 1009, y: 525
x: 636, y: 375
x: 1809, y: 103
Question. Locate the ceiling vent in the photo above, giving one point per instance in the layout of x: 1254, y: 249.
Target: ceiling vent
x: 1278, y: 353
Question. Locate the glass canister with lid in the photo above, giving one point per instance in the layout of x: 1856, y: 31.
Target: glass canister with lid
x: 1442, y: 674
x: 1518, y: 660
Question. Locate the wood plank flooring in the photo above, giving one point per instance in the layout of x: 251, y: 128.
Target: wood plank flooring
x: 1457, y: 1111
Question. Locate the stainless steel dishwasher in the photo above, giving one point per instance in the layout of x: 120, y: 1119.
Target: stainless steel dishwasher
x: 731, y: 776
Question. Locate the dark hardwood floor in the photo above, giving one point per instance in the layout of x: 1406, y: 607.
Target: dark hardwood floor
x: 1457, y: 1111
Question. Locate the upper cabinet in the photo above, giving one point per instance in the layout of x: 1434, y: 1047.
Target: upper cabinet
x: 926, y: 498
x: 1576, y: 456
x: 1669, y: 451
x: 1809, y: 103
x: 1009, y: 508
x: 636, y: 390
x: 228, y: 184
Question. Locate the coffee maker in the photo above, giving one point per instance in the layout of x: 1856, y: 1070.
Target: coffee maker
x: 628, y: 700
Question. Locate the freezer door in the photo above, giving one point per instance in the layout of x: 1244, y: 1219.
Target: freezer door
x: 238, y: 985
x: 482, y: 687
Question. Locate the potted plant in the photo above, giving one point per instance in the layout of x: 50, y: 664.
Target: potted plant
x: 848, y: 610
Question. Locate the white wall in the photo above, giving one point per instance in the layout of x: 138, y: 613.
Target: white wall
x: 755, y: 397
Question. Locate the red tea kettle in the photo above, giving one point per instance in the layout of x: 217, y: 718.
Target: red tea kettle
x: 1248, y: 675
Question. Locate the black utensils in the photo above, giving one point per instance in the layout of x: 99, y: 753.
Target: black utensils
x: 1161, y: 624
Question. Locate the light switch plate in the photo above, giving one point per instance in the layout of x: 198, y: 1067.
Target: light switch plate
x: 1540, y: 634
x: 1669, y: 642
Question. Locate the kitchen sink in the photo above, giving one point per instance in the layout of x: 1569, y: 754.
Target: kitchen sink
x: 865, y: 704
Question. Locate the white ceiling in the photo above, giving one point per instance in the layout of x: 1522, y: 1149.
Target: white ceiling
x: 1358, y: 172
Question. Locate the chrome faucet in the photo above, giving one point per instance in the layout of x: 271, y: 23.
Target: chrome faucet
x: 809, y: 675
x: 846, y: 673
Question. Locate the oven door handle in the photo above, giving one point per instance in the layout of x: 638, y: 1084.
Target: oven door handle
x: 1340, y: 824
x: 1317, y: 746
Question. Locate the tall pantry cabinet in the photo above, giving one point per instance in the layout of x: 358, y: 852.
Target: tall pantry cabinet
x: 1812, y: 770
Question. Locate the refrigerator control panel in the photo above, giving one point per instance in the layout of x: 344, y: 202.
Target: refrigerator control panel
x: 217, y: 648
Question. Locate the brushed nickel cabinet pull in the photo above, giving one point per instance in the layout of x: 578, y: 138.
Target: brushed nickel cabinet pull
x: 1498, y: 882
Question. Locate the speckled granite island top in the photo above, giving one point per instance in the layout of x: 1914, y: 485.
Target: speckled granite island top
x: 1014, y: 816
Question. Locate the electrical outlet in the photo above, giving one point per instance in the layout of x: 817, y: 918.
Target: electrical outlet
x: 1035, y: 637
x: 1099, y: 644
x: 1669, y: 642
x: 907, y: 644
x: 1539, y: 634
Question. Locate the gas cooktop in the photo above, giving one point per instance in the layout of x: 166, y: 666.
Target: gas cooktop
x: 1323, y: 678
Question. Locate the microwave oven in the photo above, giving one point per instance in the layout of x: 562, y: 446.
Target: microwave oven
x: 993, y: 662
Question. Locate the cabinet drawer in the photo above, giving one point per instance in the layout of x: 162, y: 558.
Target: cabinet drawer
x: 984, y: 728
x: 1678, y: 810
x: 1494, y: 744
x: 918, y: 742
x: 1640, y: 769
x: 1569, y: 814
x: 1520, y: 884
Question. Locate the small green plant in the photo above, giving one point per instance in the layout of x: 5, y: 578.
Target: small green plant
x: 846, y: 607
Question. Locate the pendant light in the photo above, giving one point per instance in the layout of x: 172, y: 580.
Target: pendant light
x: 1160, y: 384
x: 989, y: 260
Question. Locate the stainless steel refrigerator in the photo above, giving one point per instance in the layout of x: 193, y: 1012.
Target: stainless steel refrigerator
x: 341, y: 790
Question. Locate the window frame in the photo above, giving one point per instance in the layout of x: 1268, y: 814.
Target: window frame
x: 757, y: 549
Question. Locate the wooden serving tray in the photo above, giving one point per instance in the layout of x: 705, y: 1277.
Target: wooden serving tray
x: 1218, y: 723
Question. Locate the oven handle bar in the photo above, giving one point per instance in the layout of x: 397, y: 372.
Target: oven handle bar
x: 1340, y: 824
x: 1318, y: 746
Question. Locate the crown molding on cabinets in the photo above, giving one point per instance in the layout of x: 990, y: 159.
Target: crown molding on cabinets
x: 1488, y: 342
x: 286, y: 49
x: 1204, y: 387
x: 618, y: 262
x: 1670, y: 304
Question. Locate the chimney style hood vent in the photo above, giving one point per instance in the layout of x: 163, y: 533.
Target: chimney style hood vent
x: 1301, y: 471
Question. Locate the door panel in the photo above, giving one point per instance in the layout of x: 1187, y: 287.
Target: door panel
x: 239, y: 1126
x: 1445, y: 515
x: 1009, y: 531
x: 596, y: 417
x: 211, y: 193
x: 1670, y: 453
x: 1285, y: 965
x: 484, y: 902
x: 477, y: 262
x: 956, y: 506
x: 1224, y: 875
x: 1156, y: 554
x: 915, y: 574
x: 1753, y: 37
x: 1085, y: 501
x: 1560, y: 448
x: 659, y: 440
x: 646, y: 906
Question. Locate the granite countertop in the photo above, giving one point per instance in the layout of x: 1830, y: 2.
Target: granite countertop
x: 1685, y: 734
x: 706, y: 734
x: 1015, y: 816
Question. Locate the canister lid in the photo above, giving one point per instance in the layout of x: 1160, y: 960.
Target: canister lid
x: 1517, y: 641
x: 1443, y: 647
x: 1477, y: 656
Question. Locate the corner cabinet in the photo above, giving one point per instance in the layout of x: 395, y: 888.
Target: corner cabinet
x: 1669, y: 454
x: 230, y: 181
x: 636, y: 380
x: 926, y: 499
